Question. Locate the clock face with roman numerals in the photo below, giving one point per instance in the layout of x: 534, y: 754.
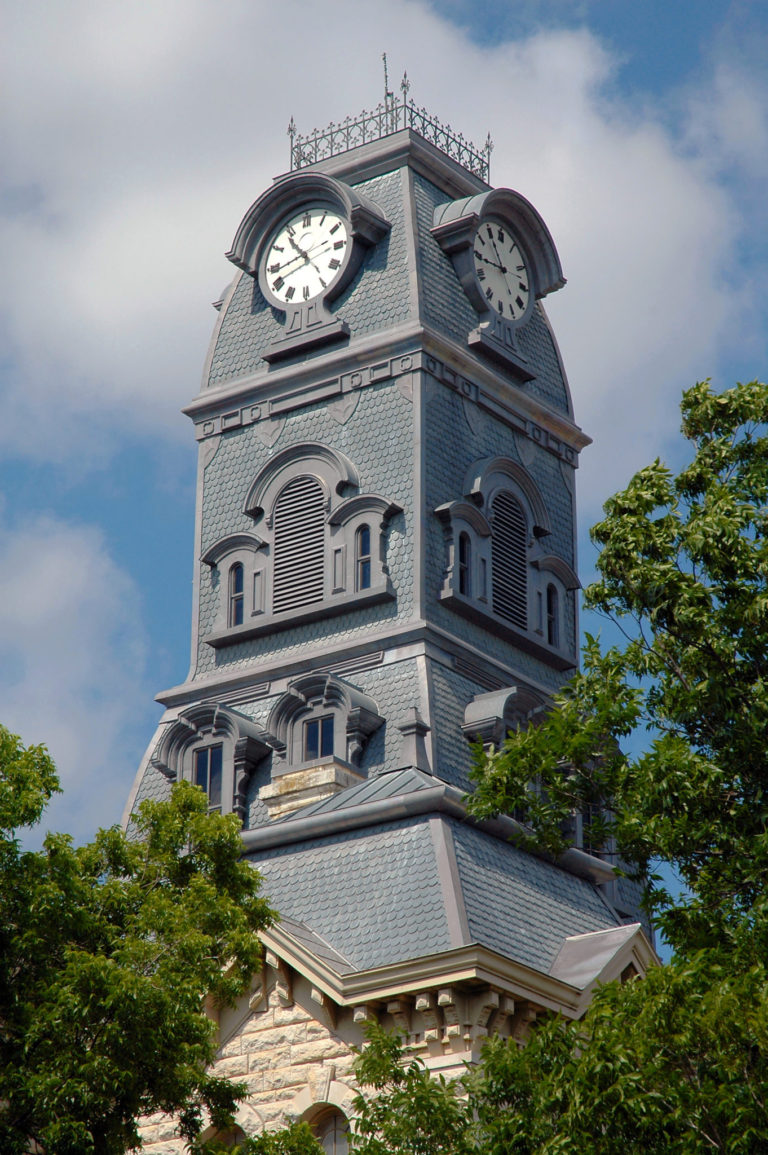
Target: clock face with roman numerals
x: 306, y: 255
x: 501, y: 271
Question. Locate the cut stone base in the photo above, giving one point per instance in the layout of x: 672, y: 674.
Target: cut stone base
x: 288, y: 792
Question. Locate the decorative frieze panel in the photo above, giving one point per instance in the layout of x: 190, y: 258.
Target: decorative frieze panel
x: 338, y: 391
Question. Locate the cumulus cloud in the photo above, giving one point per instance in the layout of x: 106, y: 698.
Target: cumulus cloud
x: 72, y: 664
x: 134, y: 137
x: 141, y: 132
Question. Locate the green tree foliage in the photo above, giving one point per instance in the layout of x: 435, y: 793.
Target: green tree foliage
x: 683, y: 570
x: 406, y: 1111
x: 108, y: 953
x: 675, y: 1063
x: 296, y: 1139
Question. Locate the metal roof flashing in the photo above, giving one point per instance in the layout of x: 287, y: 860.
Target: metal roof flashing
x: 428, y: 797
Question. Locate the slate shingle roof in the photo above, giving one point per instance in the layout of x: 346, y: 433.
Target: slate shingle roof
x: 376, y: 894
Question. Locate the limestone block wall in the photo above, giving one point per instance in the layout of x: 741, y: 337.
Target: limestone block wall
x: 287, y: 1056
x: 294, y: 1047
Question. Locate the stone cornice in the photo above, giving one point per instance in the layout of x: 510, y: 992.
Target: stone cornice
x: 472, y: 965
x: 269, y: 396
x: 255, y: 682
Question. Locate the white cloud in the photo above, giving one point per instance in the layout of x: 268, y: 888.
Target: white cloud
x: 72, y: 664
x: 146, y: 130
x: 134, y: 137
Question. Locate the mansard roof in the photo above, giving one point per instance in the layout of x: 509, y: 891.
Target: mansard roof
x: 391, y: 870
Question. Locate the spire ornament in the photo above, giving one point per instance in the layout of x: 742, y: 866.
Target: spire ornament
x: 386, y: 119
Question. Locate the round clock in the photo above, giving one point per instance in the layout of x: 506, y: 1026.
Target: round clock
x: 501, y: 270
x: 306, y: 256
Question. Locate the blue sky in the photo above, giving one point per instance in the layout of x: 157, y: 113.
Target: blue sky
x: 134, y: 137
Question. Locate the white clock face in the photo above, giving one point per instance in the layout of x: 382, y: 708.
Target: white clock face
x: 306, y: 255
x: 501, y: 270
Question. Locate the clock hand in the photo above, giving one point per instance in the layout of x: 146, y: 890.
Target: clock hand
x: 493, y: 264
x: 498, y: 258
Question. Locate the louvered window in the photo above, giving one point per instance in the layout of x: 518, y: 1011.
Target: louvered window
x: 509, y: 563
x: 299, y: 545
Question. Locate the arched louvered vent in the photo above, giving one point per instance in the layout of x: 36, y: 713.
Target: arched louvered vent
x: 299, y: 545
x: 509, y: 543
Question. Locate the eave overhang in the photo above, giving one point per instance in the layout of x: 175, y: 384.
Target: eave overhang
x: 472, y: 964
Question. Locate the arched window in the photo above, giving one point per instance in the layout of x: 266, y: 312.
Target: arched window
x: 208, y: 774
x: 332, y: 1132
x: 363, y: 558
x: 465, y: 565
x: 318, y: 738
x: 299, y: 545
x: 235, y: 615
x: 553, y: 616
x: 509, y: 562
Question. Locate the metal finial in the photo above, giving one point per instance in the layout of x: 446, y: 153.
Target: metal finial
x: 405, y: 86
x: 292, y: 135
x: 387, y: 94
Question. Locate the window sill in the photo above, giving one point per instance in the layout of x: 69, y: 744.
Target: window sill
x: 261, y: 624
x: 475, y: 612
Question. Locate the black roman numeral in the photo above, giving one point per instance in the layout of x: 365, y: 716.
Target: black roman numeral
x: 278, y: 284
x: 481, y: 274
x: 334, y: 264
x: 307, y: 222
x: 489, y: 293
x: 290, y: 292
x: 336, y: 227
x: 339, y: 244
x: 305, y: 292
x: 274, y: 268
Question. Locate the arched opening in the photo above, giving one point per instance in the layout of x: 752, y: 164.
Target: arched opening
x: 509, y: 561
x: 363, y: 558
x: 331, y: 1129
x: 208, y: 773
x: 465, y: 565
x: 236, y: 586
x: 299, y: 558
x: 553, y: 616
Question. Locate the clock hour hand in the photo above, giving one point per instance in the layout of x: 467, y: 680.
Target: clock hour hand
x: 493, y: 264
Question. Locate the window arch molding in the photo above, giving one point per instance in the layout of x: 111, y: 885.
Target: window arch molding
x: 489, y: 717
x: 301, y: 563
x: 485, y: 478
x: 314, y: 696
x: 496, y: 571
x: 333, y: 469
x: 207, y: 725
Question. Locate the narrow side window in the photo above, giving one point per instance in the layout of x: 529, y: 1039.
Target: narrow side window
x: 208, y: 767
x: 236, y: 595
x: 363, y: 558
x: 465, y: 565
x: 553, y: 616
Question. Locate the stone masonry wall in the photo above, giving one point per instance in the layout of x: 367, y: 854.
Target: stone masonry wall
x: 287, y: 1057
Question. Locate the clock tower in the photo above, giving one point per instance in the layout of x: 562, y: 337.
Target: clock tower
x: 385, y: 575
